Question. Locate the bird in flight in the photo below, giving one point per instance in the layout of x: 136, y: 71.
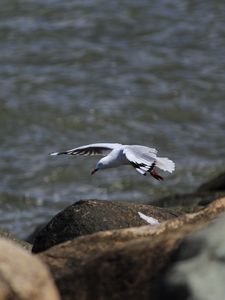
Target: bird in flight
x: 142, y: 158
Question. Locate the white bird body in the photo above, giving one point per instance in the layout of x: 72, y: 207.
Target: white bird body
x: 114, y: 159
x: 142, y: 158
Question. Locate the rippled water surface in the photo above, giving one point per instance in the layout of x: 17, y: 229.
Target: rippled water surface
x: 77, y: 72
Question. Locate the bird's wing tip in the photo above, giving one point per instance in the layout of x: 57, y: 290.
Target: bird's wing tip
x: 53, y: 153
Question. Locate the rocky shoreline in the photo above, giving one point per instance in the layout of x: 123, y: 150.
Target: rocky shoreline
x: 103, y: 250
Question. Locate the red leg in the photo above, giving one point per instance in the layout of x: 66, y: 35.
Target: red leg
x: 155, y: 175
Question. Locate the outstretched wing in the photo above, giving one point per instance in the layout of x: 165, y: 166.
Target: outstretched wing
x: 142, y: 158
x: 92, y: 149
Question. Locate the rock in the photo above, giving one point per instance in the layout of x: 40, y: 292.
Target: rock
x: 86, y: 217
x: 32, y: 236
x: 124, y: 263
x: 4, y: 233
x: 215, y: 184
x: 190, y: 202
x: 198, y: 268
x: 23, y: 276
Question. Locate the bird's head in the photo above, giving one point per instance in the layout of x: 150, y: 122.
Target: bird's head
x: 100, y: 165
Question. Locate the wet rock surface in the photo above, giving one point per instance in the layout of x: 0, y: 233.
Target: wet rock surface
x: 86, y: 217
x: 125, y: 263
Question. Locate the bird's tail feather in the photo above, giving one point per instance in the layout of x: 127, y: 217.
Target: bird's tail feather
x: 165, y: 164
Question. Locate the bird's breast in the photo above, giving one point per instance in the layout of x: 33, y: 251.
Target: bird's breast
x: 117, y: 158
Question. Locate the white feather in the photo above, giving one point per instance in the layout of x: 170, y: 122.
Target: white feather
x: 54, y: 153
x: 165, y: 164
x: 150, y: 220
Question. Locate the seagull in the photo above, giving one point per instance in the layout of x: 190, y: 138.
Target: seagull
x: 142, y: 158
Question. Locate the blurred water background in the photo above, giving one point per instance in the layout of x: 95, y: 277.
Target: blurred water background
x: 77, y: 72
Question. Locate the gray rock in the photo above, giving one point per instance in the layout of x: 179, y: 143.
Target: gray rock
x: 198, y: 268
x: 86, y: 217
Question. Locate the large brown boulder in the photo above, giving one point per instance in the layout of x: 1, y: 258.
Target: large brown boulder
x: 23, y: 276
x: 121, y: 264
x: 86, y: 217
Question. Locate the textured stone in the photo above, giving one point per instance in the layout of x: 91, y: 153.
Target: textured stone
x: 121, y: 264
x: 86, y: 217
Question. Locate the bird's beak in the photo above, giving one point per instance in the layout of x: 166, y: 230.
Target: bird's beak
x: 94, y: 171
